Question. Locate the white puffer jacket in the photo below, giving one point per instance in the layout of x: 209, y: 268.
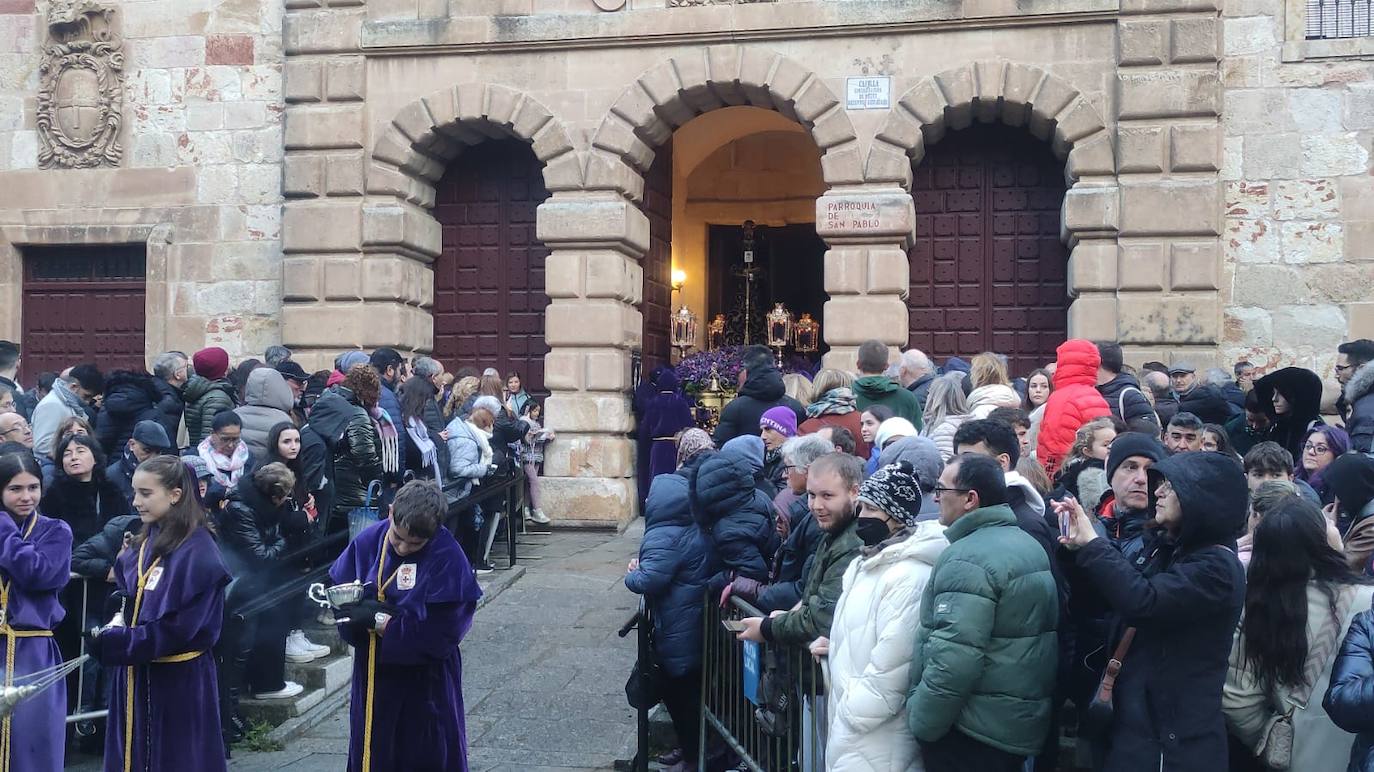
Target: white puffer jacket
x: 871, y: 641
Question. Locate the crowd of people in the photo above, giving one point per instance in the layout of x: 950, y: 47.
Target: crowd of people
x: 1171, y: 565
x: 218, y: 484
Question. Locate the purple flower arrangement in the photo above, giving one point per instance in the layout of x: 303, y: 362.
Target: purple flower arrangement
x: 695, y: 370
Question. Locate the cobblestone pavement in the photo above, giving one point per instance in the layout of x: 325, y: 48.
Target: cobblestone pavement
x: 543, y: 670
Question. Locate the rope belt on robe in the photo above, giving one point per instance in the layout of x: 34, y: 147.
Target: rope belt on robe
x: 12, y: 636
x: 372, y: 656
x: 170, y: 658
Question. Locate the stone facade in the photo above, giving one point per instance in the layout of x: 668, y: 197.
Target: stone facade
x: 281, y: 156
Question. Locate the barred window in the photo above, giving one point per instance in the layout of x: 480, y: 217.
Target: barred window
x: 1337, y: 19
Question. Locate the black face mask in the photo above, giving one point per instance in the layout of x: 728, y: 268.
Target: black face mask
x: 872, y: 531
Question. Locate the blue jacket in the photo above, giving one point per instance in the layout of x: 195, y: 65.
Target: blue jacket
x: 738, y: 516
x: 675, y: 564
x: 391, y: 404
x: 1350, y: 699
x: 792, y: 565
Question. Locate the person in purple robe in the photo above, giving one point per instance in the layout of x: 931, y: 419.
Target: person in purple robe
x: 645, y: 393
x: 35, y: 562
x: 170, y: 579
x: 419, y: 595
x: 665, y: 415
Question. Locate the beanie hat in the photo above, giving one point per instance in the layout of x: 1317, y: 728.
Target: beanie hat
x: 1130, y: 444
x: 893, y: 428
x: 921, y: 453
x: 692, y: 442
x: 152, y: 435
x: 780, y: 419
x: 212, y: 362
x: 895, y: 490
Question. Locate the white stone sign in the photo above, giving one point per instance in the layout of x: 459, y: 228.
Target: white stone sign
x: 868, y: 93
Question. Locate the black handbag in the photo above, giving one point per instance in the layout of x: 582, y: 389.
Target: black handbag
x: 644, y: 687
x: 1097, y: 718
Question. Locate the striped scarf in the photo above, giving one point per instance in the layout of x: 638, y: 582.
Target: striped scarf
x: 390, y: 440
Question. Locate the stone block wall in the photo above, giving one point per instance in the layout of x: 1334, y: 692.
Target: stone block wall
x: 200, y: 168
x: 1298, y: 193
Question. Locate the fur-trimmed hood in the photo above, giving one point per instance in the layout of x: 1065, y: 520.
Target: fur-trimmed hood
x: 1361, y: 383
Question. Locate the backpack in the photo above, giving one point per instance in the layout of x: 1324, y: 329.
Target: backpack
x: 1121, y: 408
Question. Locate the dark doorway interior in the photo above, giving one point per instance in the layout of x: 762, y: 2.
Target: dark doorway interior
x: 83, y: 304
x: 489, y: 296
x: 988, y: 271
x: 791, y: 271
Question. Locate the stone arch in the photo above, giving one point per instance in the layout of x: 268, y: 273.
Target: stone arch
x: 413, y: 150
x: 679, y: 89
x: 986, y: 91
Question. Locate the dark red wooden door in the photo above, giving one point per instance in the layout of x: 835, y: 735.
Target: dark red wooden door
x: 657, y: 305
x: 83, y: 304
x: 489, y: 296
x: 988, y: 269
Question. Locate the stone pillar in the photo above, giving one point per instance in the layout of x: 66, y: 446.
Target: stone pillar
x: 1169, y: 157
x: 867, y: 276
x: 594, y: 283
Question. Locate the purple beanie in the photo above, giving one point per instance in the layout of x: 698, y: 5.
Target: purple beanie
x: 780, y: 419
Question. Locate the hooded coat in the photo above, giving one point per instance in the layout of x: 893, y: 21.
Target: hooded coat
x: 205, y: 399
x: 675, y: 563
x: 1359, y: 395
x: 1303, y: 390
x: 1208, y: 403
x: 130, y: 397
x: 1127, y: 401
x: 1074, y: 401
x: 1351, y: 479
x: 267, y: 402
x: 793, y: 562
x: 733, y: 511
x: 882, y: 390
x: 762, y: 389
x: 871, y: 638
x: 1184, y: 605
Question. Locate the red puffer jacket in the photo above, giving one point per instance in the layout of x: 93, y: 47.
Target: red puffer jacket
x: 1074, y: 401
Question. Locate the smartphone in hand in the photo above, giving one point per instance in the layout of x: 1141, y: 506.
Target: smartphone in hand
x: 733, y: 625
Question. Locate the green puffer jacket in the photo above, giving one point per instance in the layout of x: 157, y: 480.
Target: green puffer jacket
x: 986, y: 650
x: 823, y: 587
x: 205, y: 399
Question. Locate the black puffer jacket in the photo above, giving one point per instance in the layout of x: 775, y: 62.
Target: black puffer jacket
x: 252, y: 533
x: 130, y: 397
x: 792, y: 563
x: 1350, y: 699
x: 1206, y: 402
x: 1184, y: 605
x: 85, y: 506
x: 736, y: 514
x: 94, y: 557
x: 170, y: 406
x: 206, y: 399
x: 1127, y: 401
x: 355, y: 455
x: 762, y: 390
x: 1303, y: 390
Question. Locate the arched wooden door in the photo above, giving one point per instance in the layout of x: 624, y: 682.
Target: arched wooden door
x: 489, y: 296
x: 656, y: 309
x: 988, y: 270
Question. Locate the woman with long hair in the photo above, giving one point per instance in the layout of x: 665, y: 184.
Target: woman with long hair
x: 869, y: 420
x: 1299, y: 599
x: 80, y: 493
x: 35, y: 561
x: 423, y: 422
x: 299, y: 528
x: 833, y: 404
x: 1039, y: 385
x: 987, y: 369
x: 164, y: 708
x: 798, y: 387
x: 946, y: 410
x: 1322, y: 445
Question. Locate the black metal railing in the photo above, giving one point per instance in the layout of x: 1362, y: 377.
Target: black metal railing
x: 1327, y: 19
x: 765, y: 701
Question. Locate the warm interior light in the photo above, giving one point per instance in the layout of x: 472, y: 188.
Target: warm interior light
x: 679, y: 278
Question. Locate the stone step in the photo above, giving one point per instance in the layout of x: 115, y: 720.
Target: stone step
x: 328, y: 673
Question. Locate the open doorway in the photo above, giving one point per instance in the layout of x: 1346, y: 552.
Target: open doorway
x: 789, y: 264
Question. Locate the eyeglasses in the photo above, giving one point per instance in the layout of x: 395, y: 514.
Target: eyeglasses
x: 1318, y: 449
x: 939, y: 489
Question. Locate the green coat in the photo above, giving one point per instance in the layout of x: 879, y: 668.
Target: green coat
x: 205, y: 399
x: 881, y: 390
x: 812, y: 620
x: 986, y: 649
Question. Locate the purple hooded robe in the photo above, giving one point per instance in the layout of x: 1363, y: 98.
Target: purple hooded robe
x: 165, y: 653
x: 416, y: 716
x: 35, y: 563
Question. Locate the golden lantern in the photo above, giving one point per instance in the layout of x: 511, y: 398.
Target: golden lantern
x: 715, y: 333
x: 684, y: 330
x: 779, y: 325
x: 807, y: 334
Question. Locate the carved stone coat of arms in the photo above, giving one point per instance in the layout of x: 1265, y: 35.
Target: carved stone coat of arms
x: 81, y: 87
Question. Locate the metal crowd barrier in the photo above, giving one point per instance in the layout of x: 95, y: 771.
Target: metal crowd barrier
x: 510, y: 491
x: 771, y: 728
x: 643, y: 622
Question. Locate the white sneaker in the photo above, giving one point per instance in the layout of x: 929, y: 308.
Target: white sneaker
x: 291, y: 689
x: 538, y: 517
x: 320, y: 649
x: 299, y: 650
